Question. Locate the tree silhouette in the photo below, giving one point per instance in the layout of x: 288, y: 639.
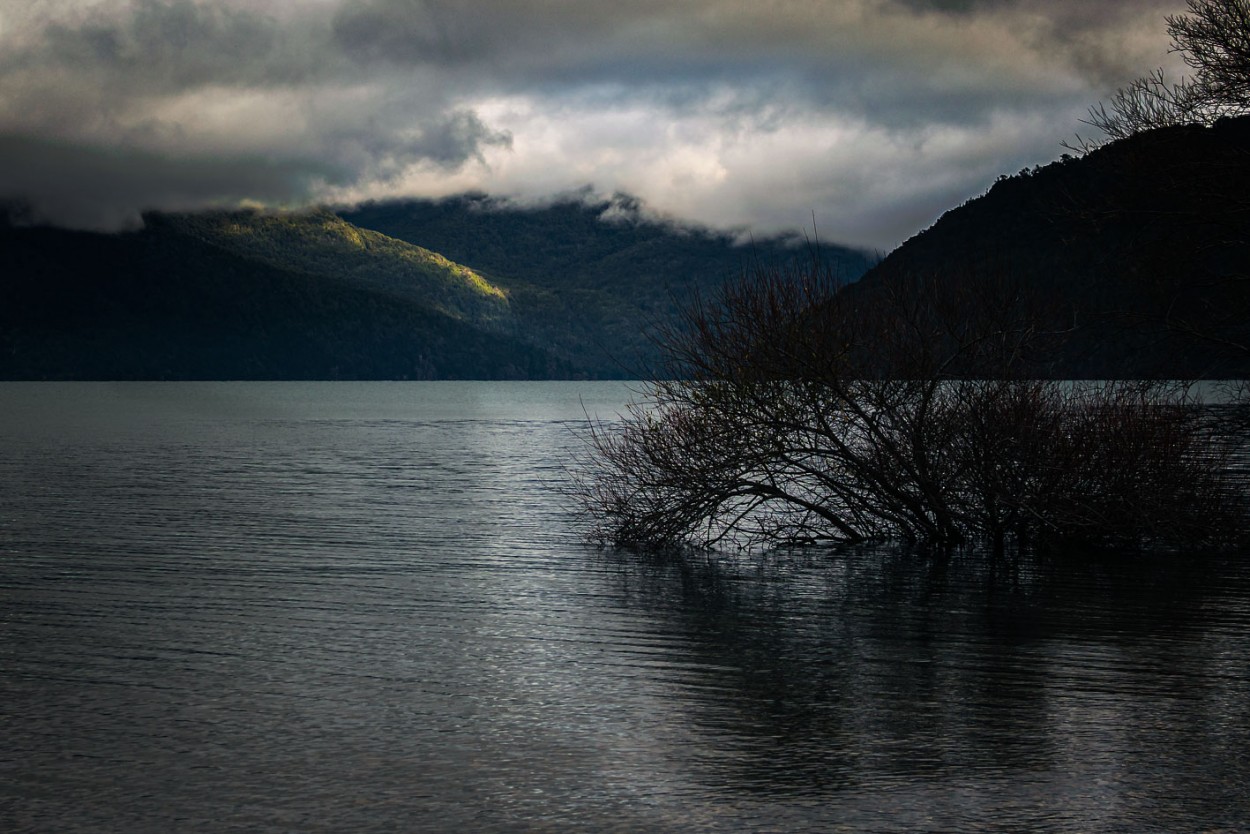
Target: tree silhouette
x: 1214, y: 41
x: 800, y: 410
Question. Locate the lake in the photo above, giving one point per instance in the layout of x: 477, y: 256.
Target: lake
x: 368, y: 607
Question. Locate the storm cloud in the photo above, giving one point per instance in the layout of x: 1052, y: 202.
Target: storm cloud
x: 873, y: 114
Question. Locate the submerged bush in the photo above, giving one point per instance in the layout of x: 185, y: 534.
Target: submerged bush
x: 798, y: 411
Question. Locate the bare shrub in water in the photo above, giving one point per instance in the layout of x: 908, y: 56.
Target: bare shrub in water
x: 799, y: 411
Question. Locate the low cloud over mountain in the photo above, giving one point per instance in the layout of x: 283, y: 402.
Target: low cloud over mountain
x: 874, y: 114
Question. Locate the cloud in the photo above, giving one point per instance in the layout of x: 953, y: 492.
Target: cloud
x: 106, y: 189
x: 874, y: 113
x: 865, y: 183
x: 191, y: 45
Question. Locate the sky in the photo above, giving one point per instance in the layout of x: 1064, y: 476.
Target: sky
x: 869, y: 116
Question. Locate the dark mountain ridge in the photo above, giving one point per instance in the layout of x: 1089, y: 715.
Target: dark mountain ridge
x: 1138, y: 253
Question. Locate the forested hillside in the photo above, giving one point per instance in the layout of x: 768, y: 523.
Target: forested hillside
x: 319, y: 242
x: 1136, y: 255
x: 555, y: 293
x: 166, y: 304
x: 590, y: 278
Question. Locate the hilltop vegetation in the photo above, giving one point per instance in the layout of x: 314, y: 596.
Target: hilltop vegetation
x: 321, y: 243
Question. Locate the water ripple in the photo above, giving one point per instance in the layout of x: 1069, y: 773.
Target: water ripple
x: 329, y: 607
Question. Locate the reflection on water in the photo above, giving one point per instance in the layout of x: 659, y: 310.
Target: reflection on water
x: 1016, y: 699
x: 335, y: 607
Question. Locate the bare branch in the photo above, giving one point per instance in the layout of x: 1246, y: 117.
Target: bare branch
x: 1214, y: 41
x: 811, y: 412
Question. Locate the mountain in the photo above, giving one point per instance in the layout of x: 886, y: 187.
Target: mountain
x: 319, y: 242
x: 247, y: 296
x: 1138, y: 253
x: 590, y: 278
x: 561, y: 292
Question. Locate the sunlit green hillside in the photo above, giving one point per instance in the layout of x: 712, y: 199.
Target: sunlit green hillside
x: 164, y: 303
x: 591, y: 279
x: 449, y: 289
x: 321, y: 243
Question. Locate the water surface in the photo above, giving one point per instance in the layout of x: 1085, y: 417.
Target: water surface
x: 367, y: 607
